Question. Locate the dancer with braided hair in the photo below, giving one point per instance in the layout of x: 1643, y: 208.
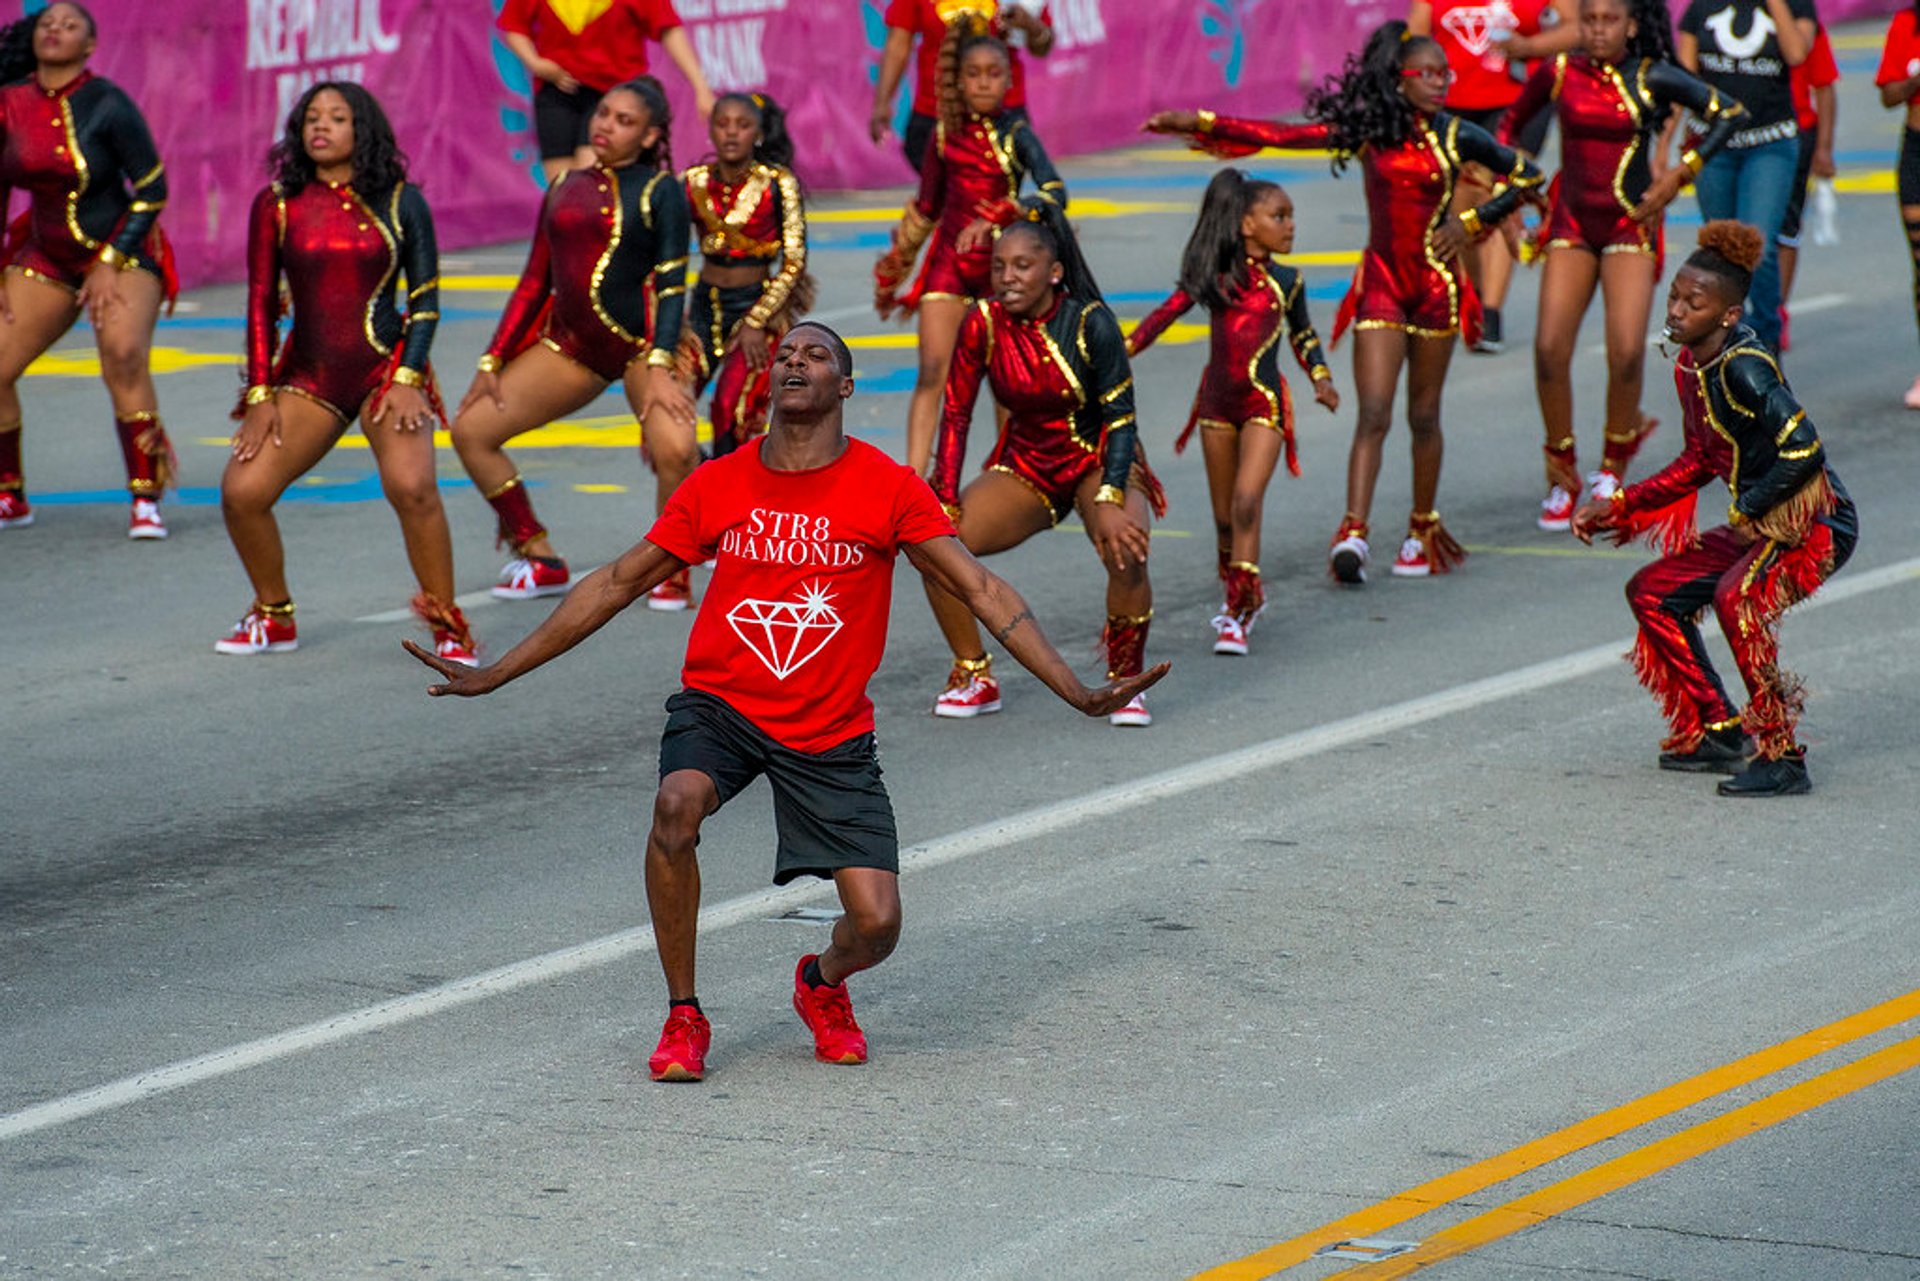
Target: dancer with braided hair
x: 980, y: 155
x: 1410, y: 296
x: 600, y: 301
x: 1899, y: 81
x: 1789, y: 528
x: 1053, y: 355
x: 748, y: 213
x: 1244, y: 409
x: 1613, y: 96
x: 89, y: 241
x: 338, y: 227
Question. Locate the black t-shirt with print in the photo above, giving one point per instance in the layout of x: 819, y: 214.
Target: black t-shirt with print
x: 1740, y: 55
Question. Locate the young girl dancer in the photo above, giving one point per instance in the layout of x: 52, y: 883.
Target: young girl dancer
x: 1053, y: 355
x: 1409, y: 296
x: 1789, y: 528
x: 1613, y: 97
x: 339, y: 226
x: 969, y: 185
x: 600, y: 301
x: 1243, y: 408
x: 89, y: 240
x: 747, y: 213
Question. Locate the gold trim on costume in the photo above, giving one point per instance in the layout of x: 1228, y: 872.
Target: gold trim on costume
x: 511, y: 482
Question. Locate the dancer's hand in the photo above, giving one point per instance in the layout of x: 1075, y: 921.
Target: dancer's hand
x: 1450, y: 237
x: 880, y: 122
x: 1172, y: 122
x: 1660, y: 194
x: 260, y: 424
x: 1590, y: 519
x: 670, y: 395
x: 753, y: 345
x: 100, y: 292
x: 554, y: 74
x: 1324, y: 392
x: 406, y: 405
x: 485, y: 386
x: 979, y: 231
x: 1117, y: 693
x: 461, y: 680
x: 1120, y: 540
x: 1744, y: 533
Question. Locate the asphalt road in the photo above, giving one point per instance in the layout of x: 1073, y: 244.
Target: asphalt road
x: 1389, y: 931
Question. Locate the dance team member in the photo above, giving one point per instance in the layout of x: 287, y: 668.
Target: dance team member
x: 1613, y: 98
x: 748, y: 213
x: 89, y: 240
x: 1899, y: 81
x: 805, y: 525
x: 1791, y: 525
x: 1244, y: 409
x: 1409, y: 296
x: 980, y: 155
x: 600, y: 301
x: 1052, y: 353
x: 927, y: 22
x: 338, y: 227
x: 1816, y: 109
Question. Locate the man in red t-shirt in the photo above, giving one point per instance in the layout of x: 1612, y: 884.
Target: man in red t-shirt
x: 1015, y: 21
x: 804, y: 525
x: 576, y: 50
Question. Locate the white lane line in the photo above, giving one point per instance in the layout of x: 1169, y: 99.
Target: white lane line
x: 1103, y: 804
x: 470, y: 600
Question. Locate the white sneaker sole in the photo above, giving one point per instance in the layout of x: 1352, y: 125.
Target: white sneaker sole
x: 1134, y: 719
x: 147, y: 533
x: 1412, y: 571
x: 672, y: 605
x: 500, y: 592
x: 1555, y: 526
x: 242, y: 649
x: 17, y: 522
x: 965, y: 713
x: 1225, y: 646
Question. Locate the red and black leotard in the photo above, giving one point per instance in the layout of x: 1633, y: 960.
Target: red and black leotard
x: 606, y: 278
x: 342, y: 257
x: 1609, y: 118
x: 1067, y: 388
x: 1401, y: 282
x: 96, y: 186
x: 1242, y: 384
x: 972, y: 173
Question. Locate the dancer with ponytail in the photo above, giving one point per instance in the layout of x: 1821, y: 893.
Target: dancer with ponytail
x: 1410, y: 296
x: 748, y: 213
x: 1052, y: 353
x: 970, y: 184
x: 1613, y: 96
x: 338, y: 227
x: 89, y: 241
x: 1244, y: 409
x: 1789, y: 528
x: 600, y: 301
x: 1899, y: 81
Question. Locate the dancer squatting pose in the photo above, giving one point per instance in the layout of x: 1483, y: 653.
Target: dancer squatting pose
x: 1244, y: 410
x: 805, y: 525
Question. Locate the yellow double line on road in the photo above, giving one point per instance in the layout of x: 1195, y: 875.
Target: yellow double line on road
x: 1631, y: 1167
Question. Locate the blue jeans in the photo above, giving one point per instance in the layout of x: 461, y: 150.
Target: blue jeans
x: 1754, y: 184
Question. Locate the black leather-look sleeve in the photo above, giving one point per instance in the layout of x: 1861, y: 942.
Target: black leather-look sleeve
x: 420, y: 262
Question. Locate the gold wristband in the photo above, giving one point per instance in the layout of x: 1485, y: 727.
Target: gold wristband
x: 489, y: 364
x: 259, y: 394
x: 1470, y: 219
x: 952, y: 510
x: 406, y: 377
x: 1691, y: 159
x: 660, y: 358
x: 1110, y: 494
x: 1736, y: 517
x: 115, y: 259
x: 1206, y: 119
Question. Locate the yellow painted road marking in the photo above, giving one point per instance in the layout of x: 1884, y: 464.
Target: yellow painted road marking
x: 1482, y: 1175
x: 599, y: 489
x: 84, y: 362
x: 478, y: 284
x: 1631, y: 1167
x: 1860, y: 40
x: 1578, y: 553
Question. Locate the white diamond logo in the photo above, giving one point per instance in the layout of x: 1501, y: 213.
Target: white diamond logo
x: 784, y: 634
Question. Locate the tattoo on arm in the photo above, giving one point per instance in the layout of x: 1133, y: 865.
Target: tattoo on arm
x: 1025, y: 615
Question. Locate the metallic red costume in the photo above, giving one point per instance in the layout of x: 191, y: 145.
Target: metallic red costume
x: 752, y: 222
x: 1242, y: 384
x: 606, y: 279
x: 974, y: 173
x: 1067, y: 388
x: 341, y: 257
x: 1610, y: 117
x: 1744, y: 427
x: 1400, y: 283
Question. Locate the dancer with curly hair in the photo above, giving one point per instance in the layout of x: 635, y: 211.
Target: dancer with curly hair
x: 1613, y: 97
x: 1244, y: 409
x: 89, y: 242
x: 1410, y: 296
x: 1789, y: 528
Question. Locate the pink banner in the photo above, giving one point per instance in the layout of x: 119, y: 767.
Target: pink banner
x: 216, y: 77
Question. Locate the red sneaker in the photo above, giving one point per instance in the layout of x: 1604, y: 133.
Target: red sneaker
x: 1556, y: 511
x: 674, y: 594
x: 971, y: 691
x: 682, y: 1052
x: 16, y: 513
x: 828, y: 1014
x: 526, y: 577
x: 146, y: 522
x: 260, y: 632
x: 455, y: 650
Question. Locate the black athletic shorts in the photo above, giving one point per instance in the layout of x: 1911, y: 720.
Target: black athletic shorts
x: 830, y: 809
x: 561, y: 119
x: 1909, y: 167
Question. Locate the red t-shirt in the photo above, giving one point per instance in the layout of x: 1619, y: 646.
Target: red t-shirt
x: 922, y: 17
x: 599, y: 42
x: 1467, y: 31
x: 795, y: 617
x: 1901, y: 57
x: 1817, y: 72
